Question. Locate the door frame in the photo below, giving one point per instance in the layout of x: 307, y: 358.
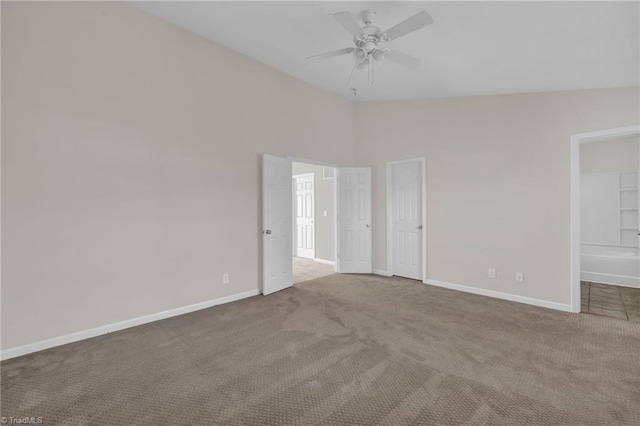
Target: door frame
x: 575, y: 142
x: 423, y: 201
x: 335, y: 203
x: 295, y: 216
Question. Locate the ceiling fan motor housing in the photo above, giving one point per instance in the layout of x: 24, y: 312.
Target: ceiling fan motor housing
x: 368, y: 45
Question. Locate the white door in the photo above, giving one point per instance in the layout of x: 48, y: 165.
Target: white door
x: 277, y: 206
x: 354, y: 220
x: 305, y: 207
x: 406, y: 221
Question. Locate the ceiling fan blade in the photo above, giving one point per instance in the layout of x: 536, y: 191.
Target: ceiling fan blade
x: 349, y: 23
x: 417, y: 21
x: 403, y: 59
x: 332, y: 54
x: 370, y: 70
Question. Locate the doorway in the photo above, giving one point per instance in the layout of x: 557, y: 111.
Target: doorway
x: 350, y: 220
x: 314, y: 221
x: 406, y: 218
x: 605, y: 254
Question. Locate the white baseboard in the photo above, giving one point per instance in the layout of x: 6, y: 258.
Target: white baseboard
x: 381, y: 272
x: 622, y: 280
x: 326, y: 262
x: 110, y: 328
x: 500, y: 295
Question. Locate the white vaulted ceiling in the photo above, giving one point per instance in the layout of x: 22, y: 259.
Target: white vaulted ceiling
x: 473, y: 48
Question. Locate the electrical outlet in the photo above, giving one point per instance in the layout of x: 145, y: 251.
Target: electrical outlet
x: 225, y: 278
x: 519, y: 277
x: 492, y: 273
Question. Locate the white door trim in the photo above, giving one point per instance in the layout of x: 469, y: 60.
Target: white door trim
x: 423, y: 196
x: 312, y: 162
x: 575, y: 142
x: 295, y: 216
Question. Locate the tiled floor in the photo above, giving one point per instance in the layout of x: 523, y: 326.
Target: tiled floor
x: 610, y: 301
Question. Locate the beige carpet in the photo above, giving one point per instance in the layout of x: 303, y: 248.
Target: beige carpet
x: 342, y: 350
x: 307, y: 269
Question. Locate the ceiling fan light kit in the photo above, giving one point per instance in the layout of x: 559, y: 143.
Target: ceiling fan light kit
x: 369, y: 42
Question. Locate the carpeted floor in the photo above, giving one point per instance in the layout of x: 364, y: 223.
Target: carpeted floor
x: 307, y: 269
x: 341, y: 350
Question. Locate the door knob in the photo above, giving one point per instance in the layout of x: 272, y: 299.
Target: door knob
x: 419, y: 227
x: 268, y: 232
x: 368, y: 226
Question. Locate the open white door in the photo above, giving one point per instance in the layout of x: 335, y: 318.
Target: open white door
x: 354, y: 220
x: 277, y: 224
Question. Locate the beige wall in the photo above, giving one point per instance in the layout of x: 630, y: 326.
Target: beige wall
x: 497, y: 180
x: 610, y: 156
x: 131, y: 169
x: 324, y: 201
x: 131, y: 164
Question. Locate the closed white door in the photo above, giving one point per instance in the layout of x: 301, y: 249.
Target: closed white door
x: 277, y: 224
x: 407, y: 227
x: 305, y: 207
x: 354, y: 220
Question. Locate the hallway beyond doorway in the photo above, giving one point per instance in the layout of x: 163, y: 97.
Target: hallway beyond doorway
x: 307, y: 269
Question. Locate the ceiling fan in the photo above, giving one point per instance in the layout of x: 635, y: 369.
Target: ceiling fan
x: 370, y: 41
